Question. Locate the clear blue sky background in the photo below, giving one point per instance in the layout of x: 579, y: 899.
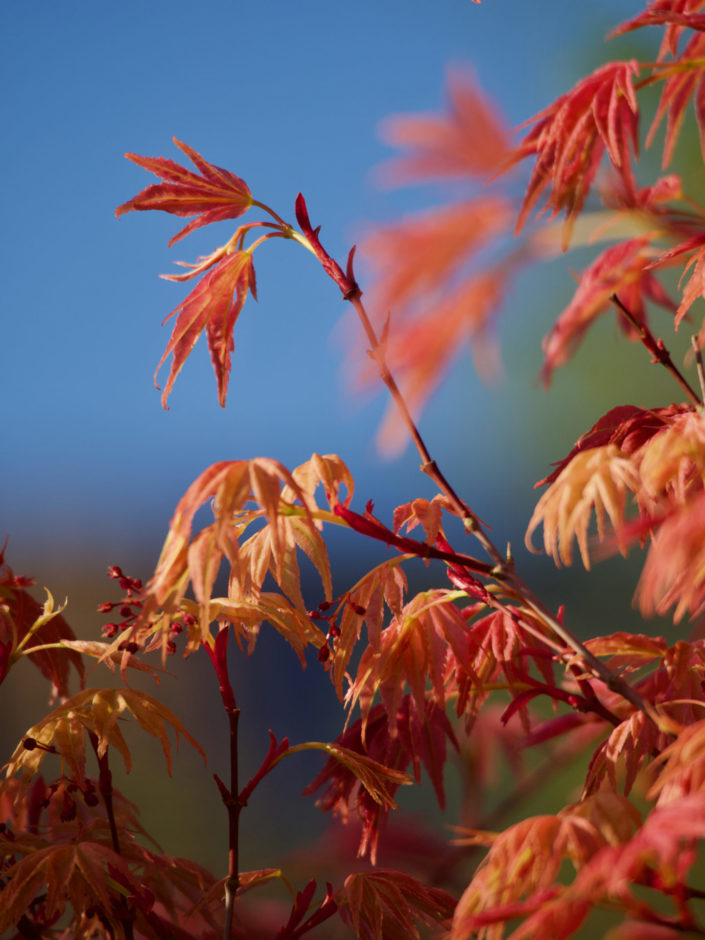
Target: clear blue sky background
x: 289, y: 96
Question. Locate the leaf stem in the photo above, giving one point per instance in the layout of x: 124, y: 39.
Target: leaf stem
x: 218, y: 652
x: 105, y: 785
x: 657, y: 349
x: 699, y: 366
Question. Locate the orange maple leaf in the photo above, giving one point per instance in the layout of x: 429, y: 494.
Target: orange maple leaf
x: 214, y: 305
x: 674, y: 572
x: 215, y: 195
x: 470, y: 139
x: 423, y: 265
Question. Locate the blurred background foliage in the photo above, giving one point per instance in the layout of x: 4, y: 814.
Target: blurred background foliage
x: 289, y: 97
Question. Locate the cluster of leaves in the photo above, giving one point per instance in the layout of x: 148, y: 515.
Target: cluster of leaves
x: 464, y: 666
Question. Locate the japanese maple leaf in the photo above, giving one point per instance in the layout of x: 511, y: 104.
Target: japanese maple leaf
x: 30, y: 624
x: 415, y: 261
x: 675, y: 14
x: 627, y: 426
x: 212, y: 196
x: 569, y: 138
x: 684, y: 79
x: 214, y: 305
x: 470, y: 139
x: 695, y: 286
x: 674, y: 572
x: 621, y: 269
x: 421, y: 349
x: 426, y: 278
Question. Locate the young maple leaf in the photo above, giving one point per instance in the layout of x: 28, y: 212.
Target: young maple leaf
x: 470, y: 139
x: 695, y: 287
x: 367, y: 782
x: 412, y: 650
x: 426, y: 279
x: 75, y: 871
x: 675, y: 14
x: 674, y: 572
x: 622, y: 269
x: 569, y: 138
x: 25, y: 621
x: 365, y: 603
x: 212, y: 196
x: 419, y: 254
x: 214, y: 305
x: 683, y: 79
x: 627, y: 426
x: 632, y: 743
x: 672, y: 463
x: 518, y: 875
x: 94, y: 711
x: 596, y: 479
x: 385, y: 904
x: 243, y: 493
x: 422, y: 346
x: 679, y: 769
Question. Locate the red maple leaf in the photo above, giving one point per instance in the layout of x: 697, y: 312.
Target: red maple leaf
x: 621, y: 269
x: 215, y: 195
x: 675, y: 14
x: 214, y: 305
x: 570, y: 137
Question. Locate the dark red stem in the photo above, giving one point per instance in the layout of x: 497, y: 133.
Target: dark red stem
x: 105, y: 786
x: 657, y: 349
x: 229, y: 794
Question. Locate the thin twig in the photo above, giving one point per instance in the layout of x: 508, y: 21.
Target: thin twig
x: 124, y: 911
x: 657, y: 349
x: 218, y: 652
x: 699, y: 366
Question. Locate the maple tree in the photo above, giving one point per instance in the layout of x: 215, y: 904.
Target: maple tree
x: 475, y: 663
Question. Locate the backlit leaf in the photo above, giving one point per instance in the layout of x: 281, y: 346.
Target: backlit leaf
x: 97, y: 711
x: 385, y: 904
x: 212, y: 196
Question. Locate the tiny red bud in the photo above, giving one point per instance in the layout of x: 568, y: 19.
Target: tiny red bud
x: 125, y: 610
x: 105, y: 607
x: 114, y: 571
